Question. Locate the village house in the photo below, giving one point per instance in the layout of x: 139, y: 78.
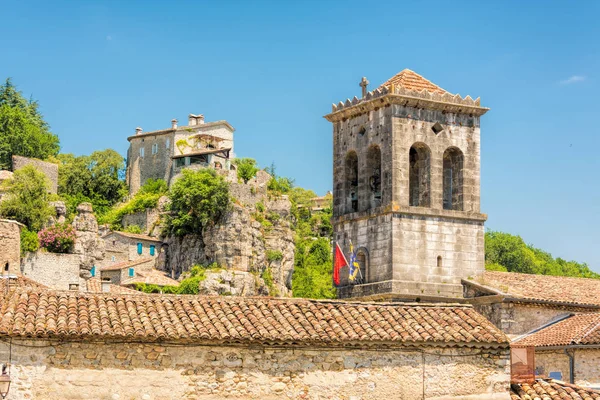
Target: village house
x: 191, y: 347
x: 568, y: 349
x: 123, y: 246
x: 163, y: 154
x: 521, y: 303
x: 122, y: 271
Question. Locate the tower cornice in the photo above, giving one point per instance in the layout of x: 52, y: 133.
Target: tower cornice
x: 382, y: 97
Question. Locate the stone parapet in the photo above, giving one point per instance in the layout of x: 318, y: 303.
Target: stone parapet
x: 402, y: 290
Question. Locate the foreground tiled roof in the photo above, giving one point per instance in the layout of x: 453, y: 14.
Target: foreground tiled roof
x: 242, y: 320
x: 577, y: 329
x: 151, y: 277
x: 126, y: 264
x: 560, y: 289
x: 551, y: 390
x: 410, y: 80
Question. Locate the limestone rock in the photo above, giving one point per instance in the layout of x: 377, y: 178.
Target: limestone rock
x: 85, y: 221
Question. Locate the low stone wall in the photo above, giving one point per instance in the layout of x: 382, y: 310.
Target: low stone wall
x: 146, y: 219
x: 10, y: 244
x: 69, y: 370
x: 587, y: 365
x: 56, y: 271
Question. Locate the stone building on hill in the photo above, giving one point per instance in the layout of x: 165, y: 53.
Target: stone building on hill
x: 406, y: 170
x: 164, y: 153
x: 199, y: 347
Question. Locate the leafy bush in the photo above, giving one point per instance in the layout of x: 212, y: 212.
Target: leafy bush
x: 133, y: 229
x: 27, y: 197
x: 146, y: 197
x: 260, y: 207
x: 29, y: 241
x: 197, y: 198
x: 267, y: 277
x: 58, y: 238
x: 280, y: 185
x: 274, y: 255
x: 246, y: 168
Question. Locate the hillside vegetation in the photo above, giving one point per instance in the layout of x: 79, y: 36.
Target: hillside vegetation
x: 506, y: 252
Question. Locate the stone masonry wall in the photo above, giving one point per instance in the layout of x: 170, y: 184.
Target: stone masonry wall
x: 54, y: 270
x: 69, y: 370
x: 49, y: 169
x: 516, y: 319
x: 10, y: 244
x: 587, y: 365
x: 155, y: 166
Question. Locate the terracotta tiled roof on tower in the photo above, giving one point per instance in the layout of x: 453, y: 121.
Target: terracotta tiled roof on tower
x: 412, y: 81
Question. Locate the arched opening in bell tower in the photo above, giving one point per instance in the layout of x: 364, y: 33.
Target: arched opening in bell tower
x: 453, y: 179
x: 374, y: 176
x: 419, y: 175
x: 351, y: 182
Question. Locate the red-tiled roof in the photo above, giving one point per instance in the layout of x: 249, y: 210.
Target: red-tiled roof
x: 134, y: 236
x: 412, y: 81
x: 577, y: 329
x: 551, y: 390
x: 94, y: 285
x: 560, y: 289
x: 242, y: 320
x: 152, y: 277
x: 126, y: 264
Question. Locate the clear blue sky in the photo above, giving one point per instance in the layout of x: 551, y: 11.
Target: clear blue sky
x: 272, y: 69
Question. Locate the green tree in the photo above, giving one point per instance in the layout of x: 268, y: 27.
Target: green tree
x: 197, y: 198
x: 506, y: 252
x: 246, y: 168
x: 27, y: 198
x: 23, y: 130
x: 97, y: 178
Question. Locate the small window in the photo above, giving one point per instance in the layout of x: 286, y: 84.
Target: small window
x: 113, y: 259
x: 437, y: 128
x: 439, y: 261
x: 180, y: 162
x: 131, y: 272
x: 93, y: 271
x: 142, y: 152
x: 139, y: 248
x: 168, y: 143
x: 152, y: 249
x: 155, y: 148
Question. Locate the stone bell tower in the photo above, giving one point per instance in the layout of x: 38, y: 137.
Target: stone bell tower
x: 406, y: 181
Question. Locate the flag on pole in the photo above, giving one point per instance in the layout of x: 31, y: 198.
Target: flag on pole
x: 339, y: 262
x: 354, y: 266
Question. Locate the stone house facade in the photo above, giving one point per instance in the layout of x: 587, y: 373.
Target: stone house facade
x: 406, y: 188
x: 568, y: 349
x: 123, y: 247
x: 198, y: 347
x: 126, y: 270
x: 10, y: 245
x: 164, y: 153
x: 57, y: 271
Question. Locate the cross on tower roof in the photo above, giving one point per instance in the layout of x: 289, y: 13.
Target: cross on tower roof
x: 363, y: 83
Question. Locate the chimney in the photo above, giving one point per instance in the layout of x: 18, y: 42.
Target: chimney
x: 106, y: 285
x: 191, y: 120
x: 138, y: 130
x: 174, y: 123
x: 200, y: 119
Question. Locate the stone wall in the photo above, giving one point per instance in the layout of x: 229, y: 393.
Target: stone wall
x: 49, y: 169
x: 57, y: 271
x: 587, y: 364
x: 155, y: 166
x: 68, y: 370
x: 515, y: 319
x: 10, y: 245
x: 146, y: 220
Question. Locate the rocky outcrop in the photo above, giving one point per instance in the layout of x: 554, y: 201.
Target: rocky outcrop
x: 87, y: 243
x: 233, y: 283
x: 251, y: 241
